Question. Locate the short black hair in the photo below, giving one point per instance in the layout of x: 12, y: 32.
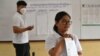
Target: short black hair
x: 60, y: 14
x: 21, y: 3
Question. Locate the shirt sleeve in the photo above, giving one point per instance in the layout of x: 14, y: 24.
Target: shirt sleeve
x: 78, y: 45
x: 50, y: 42
x: 16, y: 21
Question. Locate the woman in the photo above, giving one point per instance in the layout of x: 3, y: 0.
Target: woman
x: 55, y: 43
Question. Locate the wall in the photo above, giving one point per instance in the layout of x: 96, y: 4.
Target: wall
x: 7, y: 9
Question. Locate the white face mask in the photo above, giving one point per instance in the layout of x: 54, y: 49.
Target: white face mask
x: 23, y: 10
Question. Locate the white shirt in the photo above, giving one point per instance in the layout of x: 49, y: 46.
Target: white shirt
x: 20, y: 38
x: 53, y: 39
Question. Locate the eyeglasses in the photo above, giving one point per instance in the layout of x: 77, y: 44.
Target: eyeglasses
x: 67, y: 22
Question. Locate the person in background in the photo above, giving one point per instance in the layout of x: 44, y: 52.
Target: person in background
x: 20, y: 30
x: 55, y: 43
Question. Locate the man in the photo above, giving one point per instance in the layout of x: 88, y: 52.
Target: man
x: 20, y: 39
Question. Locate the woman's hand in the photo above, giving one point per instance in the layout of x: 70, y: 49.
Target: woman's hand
x: 67, y: 36
x: 56, y: 51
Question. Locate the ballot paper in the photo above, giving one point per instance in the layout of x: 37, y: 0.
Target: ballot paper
x: 70, y: 47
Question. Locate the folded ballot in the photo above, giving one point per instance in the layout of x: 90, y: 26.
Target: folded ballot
x: 70, y: 47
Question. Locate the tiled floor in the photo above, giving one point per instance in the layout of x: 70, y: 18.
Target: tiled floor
x: 90, y: 48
